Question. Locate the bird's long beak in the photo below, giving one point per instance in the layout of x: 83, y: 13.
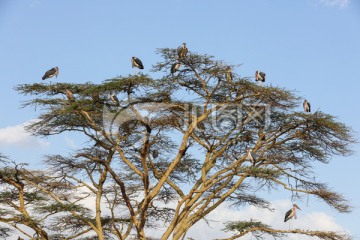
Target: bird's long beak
x: 298, y: 208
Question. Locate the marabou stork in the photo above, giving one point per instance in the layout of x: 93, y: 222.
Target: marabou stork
x: 247, y: 137
x: 95, y: 96
x: 114, y: 99
x: 291, y: 213
x: 229, y: 75
x: 50, y: 73
x: 307, y: 107
x: 182, y: 51
x: 175, y: 67
x: 260, y: 76
x: 135, y: 62
x: 69, y: 95
x: 155, y: 153
x: 251, y: 156
x: 261, y: 135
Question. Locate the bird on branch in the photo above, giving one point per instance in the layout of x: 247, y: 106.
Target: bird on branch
x: 291, y: 213
x: 50, y: 73
x: 137, y: 63
x: 260, y: 76
x: 251, y: 156
x: 182, y: 51
x: 175, y: 67
x: 114, y: 99
x: 307, y: 107
x: 229, y: 75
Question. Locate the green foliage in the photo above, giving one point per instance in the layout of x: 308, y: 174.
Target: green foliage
x: 244, y: 225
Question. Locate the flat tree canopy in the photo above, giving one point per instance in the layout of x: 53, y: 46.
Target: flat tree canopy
x: 168, y: 153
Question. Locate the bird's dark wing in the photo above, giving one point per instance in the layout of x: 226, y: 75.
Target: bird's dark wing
x: 49, y: 73
x: 155, y: 153
x: 254, y: 156
x: 139, y: 63
x: 287, y: 215
x: 179, y: 51
x: 262, y: 76
x: 173, y: 68
x: 182, y: 52
x: 185, y: 51
x: 309, y: 106
x: 116, y: 100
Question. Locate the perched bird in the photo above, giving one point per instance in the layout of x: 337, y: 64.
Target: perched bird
x: 50, y: 73
x: 247, y: 137
x: 291, y: 213
x: 95, y: 96
x: 136, y: 63
x: 69, y: 95
x: 306, y: 105
x: 155, y: 153
x: 260, y: 76
x: 182, y: 51
x: 175, y: 67
x: 261, y: 135
x: 114, y: 99
x: 228, y: 74
x: 251, y: 156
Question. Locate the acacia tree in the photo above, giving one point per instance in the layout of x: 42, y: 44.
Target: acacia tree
x: 169, y: 153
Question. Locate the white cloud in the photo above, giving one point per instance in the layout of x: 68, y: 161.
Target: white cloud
x: 335, y: 3
x: 307, y: 220
x: 17, y: 136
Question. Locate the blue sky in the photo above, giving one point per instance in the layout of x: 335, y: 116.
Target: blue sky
x: 311, y: 46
